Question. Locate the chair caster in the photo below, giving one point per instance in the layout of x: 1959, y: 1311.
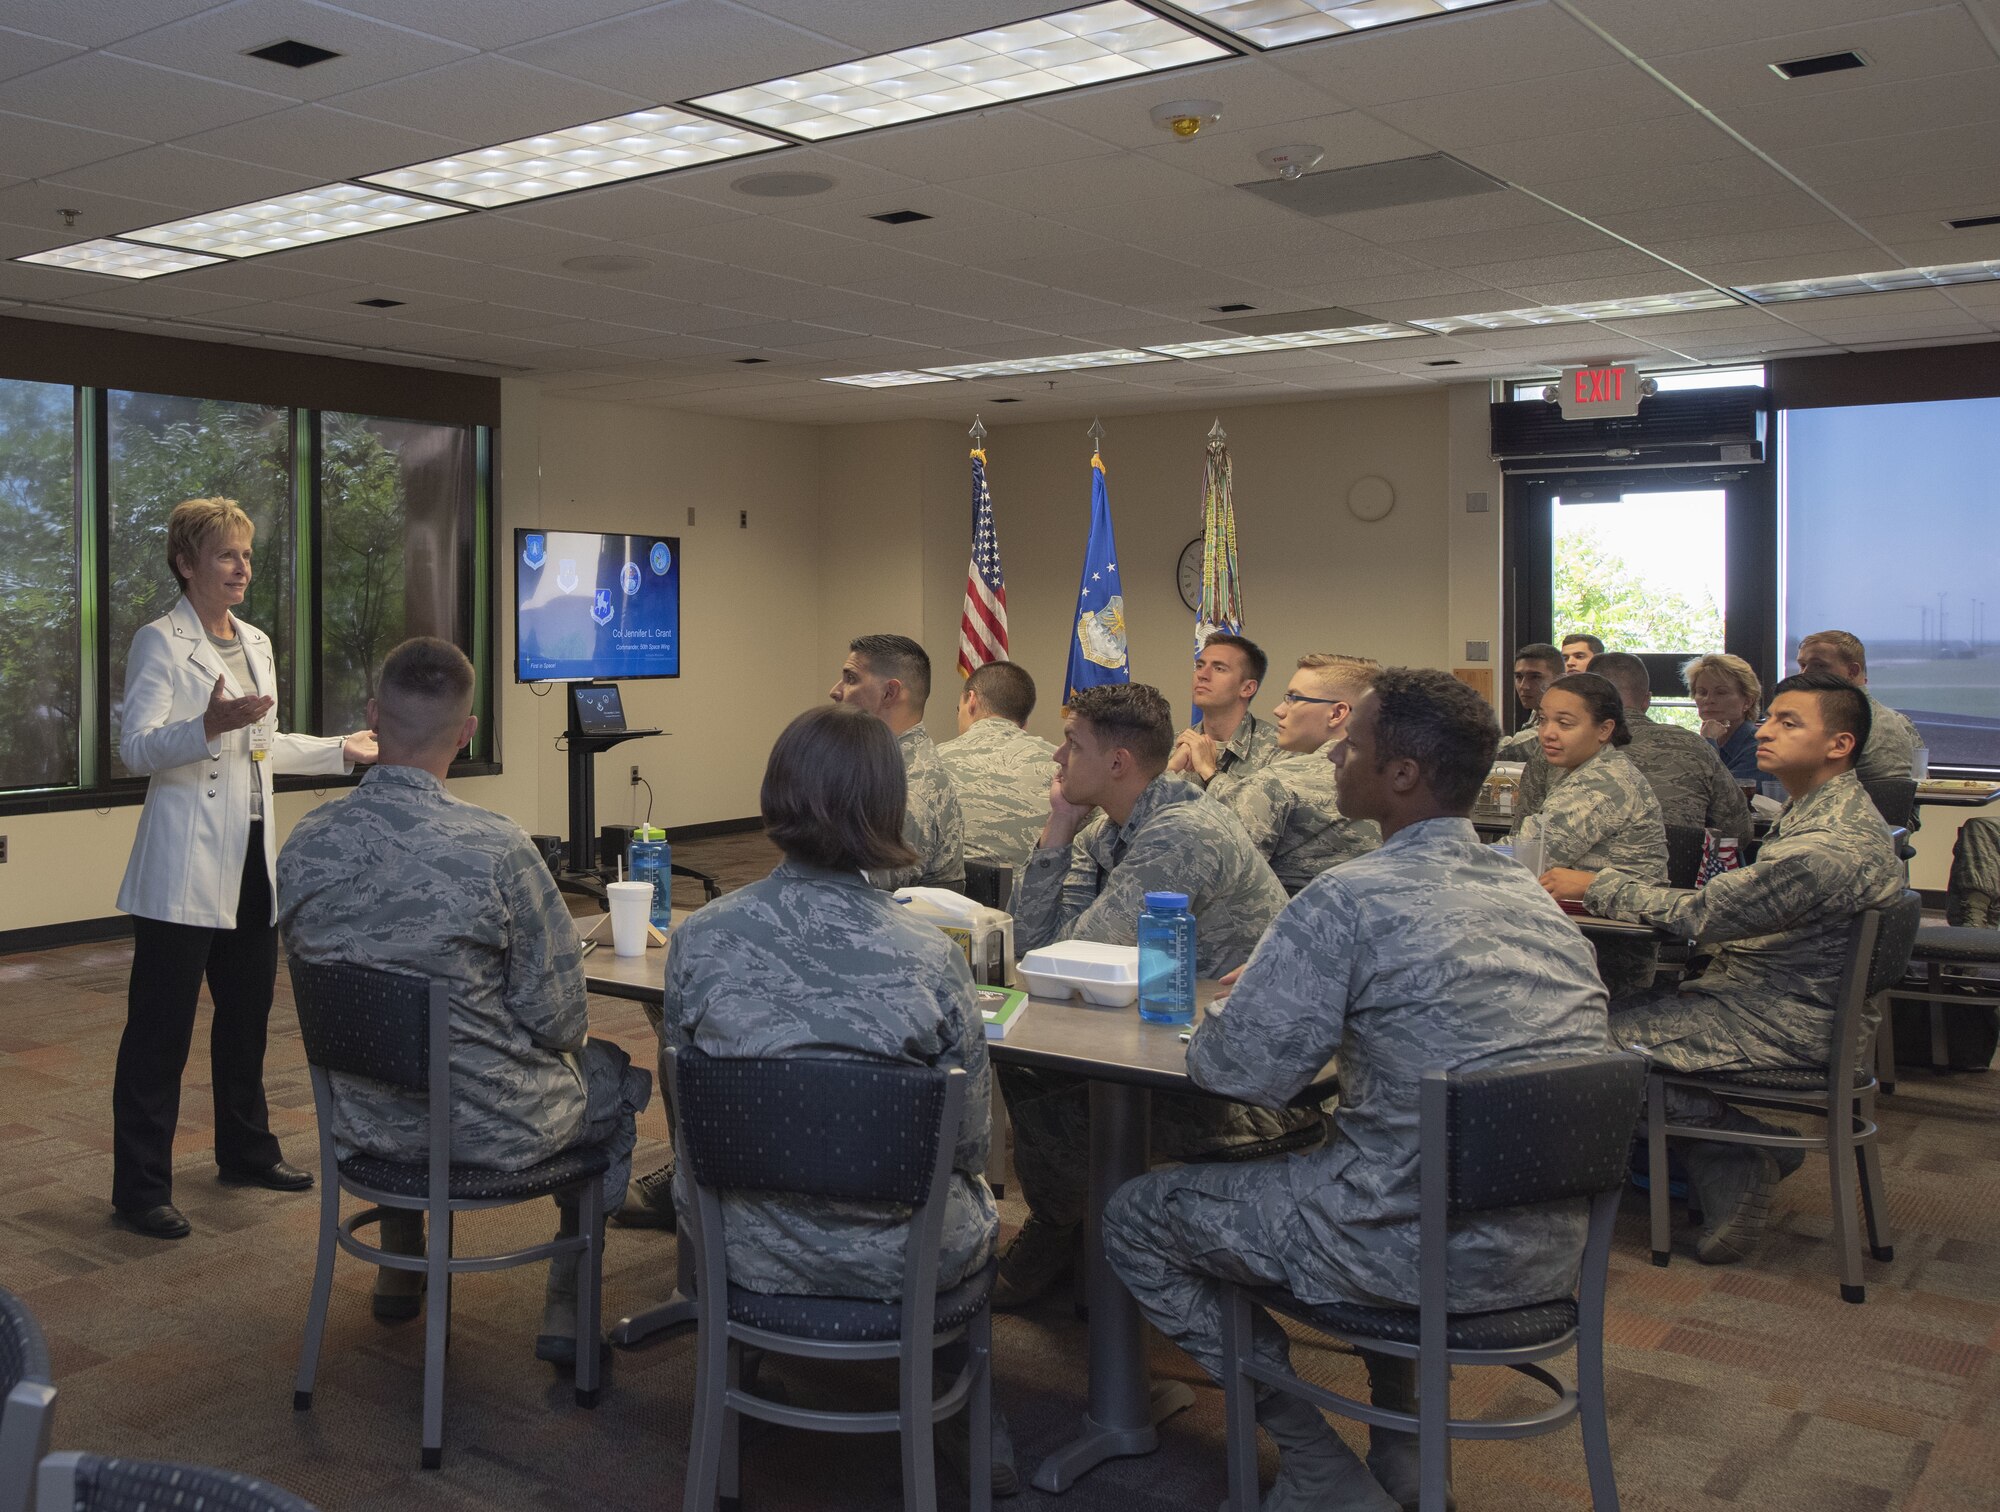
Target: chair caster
x: 1661, y: 1257
x: 588, y: 1398
x: 302, y: 1401
x: 434, y: 1458
x: 1883, y: 1252
x: 1853, y: 1293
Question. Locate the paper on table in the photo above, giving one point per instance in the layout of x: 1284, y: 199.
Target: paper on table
x: 1770, y: 808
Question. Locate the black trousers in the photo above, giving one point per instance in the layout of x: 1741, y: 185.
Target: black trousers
x: 169, y: 962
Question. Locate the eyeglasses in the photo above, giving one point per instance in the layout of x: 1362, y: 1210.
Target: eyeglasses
x: 1297, y: 698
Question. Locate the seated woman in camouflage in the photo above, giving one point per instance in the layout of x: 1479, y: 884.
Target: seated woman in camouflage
x: 1601, y: 811
x: 815, y: 961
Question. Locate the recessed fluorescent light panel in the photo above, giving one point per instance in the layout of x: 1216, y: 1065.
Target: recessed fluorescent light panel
x: 1068, y: 363
x: 1072, y: 48
x: 1591, y: 309
x: 119, y: 259
x: 1237, y: 346
x: 294, y: 220
x: 888, y: 380
x: 632, y: 146
x: 1281, y: 23
x: 1872, y: 283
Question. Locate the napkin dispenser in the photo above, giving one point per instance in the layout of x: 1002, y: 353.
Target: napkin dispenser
x: 985, y: 935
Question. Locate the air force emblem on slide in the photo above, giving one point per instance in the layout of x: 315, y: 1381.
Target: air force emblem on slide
x: 663, y: 558
x: 566, y: 575
x: 1101, y: 633
x: 534, y: 550
x: 600, y: 606
x: 628, y: 578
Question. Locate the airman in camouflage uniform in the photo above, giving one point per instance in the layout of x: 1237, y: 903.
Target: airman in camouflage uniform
x: 1601, y: 814
x: 933, y: 823
x: 1253, y: 747
x: 1975, y: 876
x: 401, y: 876
x: 1891, y: 750
x: 817, y: 963
x: 1431, y: 952
x: 1093, y: 890
x: 1692, y: 785
x: 1228, y: 670
x: 1291, y: 813
x: 1001, y: 775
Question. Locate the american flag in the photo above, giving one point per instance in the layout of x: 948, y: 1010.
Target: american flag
x: 982, y: 627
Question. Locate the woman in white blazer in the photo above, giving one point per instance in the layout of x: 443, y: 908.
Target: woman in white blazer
x: 199, y: 691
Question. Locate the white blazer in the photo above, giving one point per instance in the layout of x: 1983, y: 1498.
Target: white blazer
x: 187, y: 860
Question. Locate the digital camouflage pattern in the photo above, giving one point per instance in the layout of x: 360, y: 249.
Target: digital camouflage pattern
x: 818, y: 963
x: 1975, y: 876
x: 1523, y: 743
x: 1001, y: 774
x: 1891, y: 750
x: 1779, y: 932
x: 1174, y: 841
x: 1253, y: 747
x: 1291, y: 812
x: 1433, y: 952
x: 1602, y: 814
x: 1688, y: 778
x: 933, y: 823
x: 401, y: 876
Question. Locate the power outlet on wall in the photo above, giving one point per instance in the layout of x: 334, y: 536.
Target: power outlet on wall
x: 3, y: 847
x: 742, y: 519
x: 635, y: 775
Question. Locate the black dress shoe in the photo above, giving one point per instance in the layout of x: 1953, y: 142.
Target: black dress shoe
x: 278, y: 1176
x: 163, y: 1222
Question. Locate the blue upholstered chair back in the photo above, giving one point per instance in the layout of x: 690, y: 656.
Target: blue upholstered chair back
x: 100, y: 1483
x: 1538, y: 1132
x: 27, y: 1403
x: 850, y: 1129
x: 365, y: 1022
x: 1895, y: 798
x: 1684, y: 848
x: 1894, y: 939
x: 24, y: 1354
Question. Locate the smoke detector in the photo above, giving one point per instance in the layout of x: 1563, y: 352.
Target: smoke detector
x: 1186, y: 117
x: 1292, y: 162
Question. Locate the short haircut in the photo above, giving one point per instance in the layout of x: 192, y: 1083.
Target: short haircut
x: 1252, y: 652
x: 424, y: 694
x: 1435, y: 720
x: 1732, y: 669
x: 1132, y: 715
x: 1350, y: 674
x: 195, y: 523
x: 1596, y: 645
x: 1842, y: 706
x: 834, y: 792
x: 1543, y: 652
x: 1004, y: 688
x: 1600, y: 696
x: 1841, y: 643
x: 1627, y: 674
x: 899, y: 657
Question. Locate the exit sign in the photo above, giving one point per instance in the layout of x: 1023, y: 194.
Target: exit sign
x: 1585, y: 393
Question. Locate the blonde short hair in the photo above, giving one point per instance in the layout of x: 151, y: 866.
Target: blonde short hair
x: 1350, y: 674
x: 1842, y: 644
x: 195, y: 523
x: 1731, y: 669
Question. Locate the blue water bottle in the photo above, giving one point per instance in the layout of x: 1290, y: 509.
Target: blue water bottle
x: 651, y: 859
x: 1166, y: 959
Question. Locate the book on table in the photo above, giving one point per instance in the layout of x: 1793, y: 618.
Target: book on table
x: 1001, y: 1008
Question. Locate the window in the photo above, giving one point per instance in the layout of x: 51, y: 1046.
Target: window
x: 163, y: 450
x: 40, y: 628
x: 1888, y: 518
x: 395, y: 550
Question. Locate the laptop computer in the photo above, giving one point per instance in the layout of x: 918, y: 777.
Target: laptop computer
x: 600, y: 710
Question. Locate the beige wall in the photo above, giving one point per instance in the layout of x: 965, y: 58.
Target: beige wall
x: 865, y: 528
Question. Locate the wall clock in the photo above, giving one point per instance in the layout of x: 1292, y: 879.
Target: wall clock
x: 1188, y: 574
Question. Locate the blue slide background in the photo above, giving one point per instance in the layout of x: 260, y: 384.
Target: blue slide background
x: 556, y: 637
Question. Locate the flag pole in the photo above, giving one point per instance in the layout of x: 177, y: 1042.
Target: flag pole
x: 978, y: 434
x: 1096, y: 434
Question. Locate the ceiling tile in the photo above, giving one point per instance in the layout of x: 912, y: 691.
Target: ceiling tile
x: 1779, y: 209
x: 109, y: 93
x: 1953, y: 148
x: 1937, y: 196
x: 1699, y: 252
x: 191, y: 181
x: 487, y: 99
x: 1060, y: 186
x: 1651, y: 29
x: 1255, y: 95
x: 154, y: 297
x: 329, y: 144
x: 96, y: 23
x: 1633, y: 149
x: 996, y: 141
x: 1735, y: 177
x: 22, y: 53
x: 1854, y: 115
x: 852, y: 180
x: 872, y: 26
x: 36, y: 149
x: 1914, y: 45
x: 36, y: 204
x: 626, y: 212
x: 683, y: 49
x: 214, y: 44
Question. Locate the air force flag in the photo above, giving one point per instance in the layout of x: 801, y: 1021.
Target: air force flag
x: 1097, y: 636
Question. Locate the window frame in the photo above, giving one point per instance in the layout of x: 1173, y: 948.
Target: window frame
x: 95, y: 788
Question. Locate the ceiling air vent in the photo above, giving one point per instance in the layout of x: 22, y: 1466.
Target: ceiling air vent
x: 1376, y: 186
x: 1825, y: 63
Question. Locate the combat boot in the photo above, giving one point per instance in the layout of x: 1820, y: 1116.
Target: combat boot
x: 556, y: 1342
x: 1392, y: 1454
x: 1733, y: 1185
x: 1038, y: 1258
x: 1317, y: 1472
x: 1734, y: 1118
x: 649, y: 1201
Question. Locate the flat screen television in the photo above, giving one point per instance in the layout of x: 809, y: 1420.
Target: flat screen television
x: 590, y: 606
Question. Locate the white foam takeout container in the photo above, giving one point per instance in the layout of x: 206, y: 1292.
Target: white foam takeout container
x: 1107, y: 975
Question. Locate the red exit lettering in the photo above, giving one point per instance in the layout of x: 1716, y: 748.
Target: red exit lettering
x: 1600, y: 385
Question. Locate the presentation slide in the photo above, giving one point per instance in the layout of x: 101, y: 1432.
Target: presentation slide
x: 596, y: 606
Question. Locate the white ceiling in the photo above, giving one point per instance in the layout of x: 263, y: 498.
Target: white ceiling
x: 1647, y: 146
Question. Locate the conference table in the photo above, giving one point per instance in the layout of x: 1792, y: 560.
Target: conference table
x: 1125, y: 1061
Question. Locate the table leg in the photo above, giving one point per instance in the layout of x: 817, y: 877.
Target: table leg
x: 676, y: 1310
x: 1124, y: 1404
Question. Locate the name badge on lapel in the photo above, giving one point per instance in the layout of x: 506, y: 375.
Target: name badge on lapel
x: 260, y: 738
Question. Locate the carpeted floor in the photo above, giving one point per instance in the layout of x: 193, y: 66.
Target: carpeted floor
x: 1750, y: 1387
